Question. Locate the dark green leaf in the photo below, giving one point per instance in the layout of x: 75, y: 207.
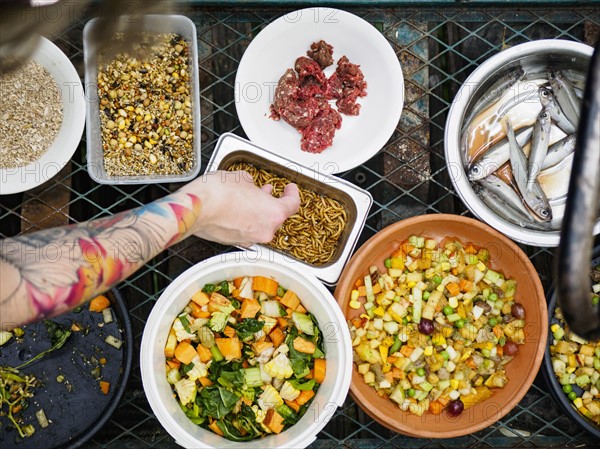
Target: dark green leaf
x: 304, y: 386
x: 248, y: 327
x: 209, y: 288
x: 228, y: 398
x: 223, y: 288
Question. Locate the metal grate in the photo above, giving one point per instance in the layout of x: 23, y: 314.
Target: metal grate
x: 438, y: 48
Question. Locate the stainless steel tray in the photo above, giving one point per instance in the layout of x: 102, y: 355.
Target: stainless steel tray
x: 231, y: 149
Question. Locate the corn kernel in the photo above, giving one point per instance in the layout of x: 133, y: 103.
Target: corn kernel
x: 354, y: 295
x: 453, y: 302
x: 411, y: 284
x: 379, y: 311
x: 481, y: 266
x: 428, y: 351
x: 454, y: 384
x: 355, y: 305
x: 438, y: 339
x: 555, y: 327
x: 578, y: 402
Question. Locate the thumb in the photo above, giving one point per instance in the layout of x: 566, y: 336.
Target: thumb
x: 290, y: 199
x: 268, y: 188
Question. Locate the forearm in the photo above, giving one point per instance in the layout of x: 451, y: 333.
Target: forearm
x: 48, y: 272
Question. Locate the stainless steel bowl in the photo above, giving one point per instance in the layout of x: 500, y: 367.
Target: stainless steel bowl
x: 532, y: 56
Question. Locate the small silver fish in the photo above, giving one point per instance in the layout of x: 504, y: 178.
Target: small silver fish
x: 499, y: 197
x: 532, y: 193
x: 558, y: 151
x: 565, y: 95
x: 549, y: 102
x: 495, y: 92
x: 496, y: 156
x: 516, y: 100
x: 539, y: 145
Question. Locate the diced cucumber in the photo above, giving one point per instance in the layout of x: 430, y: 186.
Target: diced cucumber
x: 369, y: 289
x: 397, y: 395
x: 417, y: 304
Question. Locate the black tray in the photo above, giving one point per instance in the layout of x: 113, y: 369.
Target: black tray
x: 555, y: 387
x: 76, y: 407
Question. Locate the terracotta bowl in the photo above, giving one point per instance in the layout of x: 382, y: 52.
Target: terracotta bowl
x: 506, y: 257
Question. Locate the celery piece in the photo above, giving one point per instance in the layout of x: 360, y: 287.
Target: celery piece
x: 417, y: 304
x: 252, y: 377
x: 425, y: 386
x: 492, y: 276
x: 369, y: 288
x: 582, y: 380
x: 216, y: 353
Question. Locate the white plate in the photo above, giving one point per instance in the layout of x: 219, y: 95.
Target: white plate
x: 276, y: 48
x: 14, y: 180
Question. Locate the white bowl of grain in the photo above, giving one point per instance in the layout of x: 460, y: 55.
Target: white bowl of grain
x: 42, y: 116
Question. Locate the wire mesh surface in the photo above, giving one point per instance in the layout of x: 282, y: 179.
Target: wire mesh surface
x: 438, y: 48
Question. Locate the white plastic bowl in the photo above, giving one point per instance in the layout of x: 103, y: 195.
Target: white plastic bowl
x: 317, y: 300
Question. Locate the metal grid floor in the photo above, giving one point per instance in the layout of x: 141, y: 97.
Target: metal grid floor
x: 438, y: 48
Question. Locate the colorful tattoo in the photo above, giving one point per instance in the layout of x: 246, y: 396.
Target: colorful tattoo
x: 59, y: 268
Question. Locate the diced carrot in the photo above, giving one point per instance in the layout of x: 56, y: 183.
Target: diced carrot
x: 303, y: 345
x: 265, y: 284
x: 397, y: 373
x: 215, y: 428
x: 104, y: 386
x: 389, y: 376
x: 290, y: 299
x: 273, y: 421
x: 283, y: 322
x: 362, y: 291
x: 359, y: 282
x: 453, y: 288
x: 497, y: 330
x: 99, y: 303
x: 470, y: 249
x: 305, y: 396
x: 407, y: 247
x: 238, y: 281
x: 229, y: 331
x: 391, y: 359
x: 471, y: 363
x: 465, y: 285
x: 261, y: 346
x: 176, y: 364
x: 204, y: 353
x: 454, y: 271
x: 205, y: 381
x: 301, y: 309
x: 319, y: 370
x: 185, y: 352
x: 200, y: 298
x: 293, y: 405
x: 310, y: 375
x: 197, y: 311
x: 245, y: 364
x: 499, y: 351
x: 357, y: 322
x: 376, y: 288
x: 231, y: 348
x: 250, y: 307
x: 435, y: 407
x: 406, y: 350
x: 277, y: 336
x: 399, y: 253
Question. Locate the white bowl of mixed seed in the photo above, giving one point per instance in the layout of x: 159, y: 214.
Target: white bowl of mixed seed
x: 143, y: 111
x: 41, y: 119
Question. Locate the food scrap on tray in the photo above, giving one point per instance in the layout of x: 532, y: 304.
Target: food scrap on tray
x: 303, y: 96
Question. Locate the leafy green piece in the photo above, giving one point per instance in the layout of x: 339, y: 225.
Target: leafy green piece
x: 232, y: 379
x: 186, y: 368
x: 290, y: 417
x: 58, y: 338
x: 304, y: 386
x: 223, y: 288
x: 209, y: 288
x: 298, y: 360
x: 248, y: 327
x: 193, y: 413
x: 212, y: 403
x: 231, y: 427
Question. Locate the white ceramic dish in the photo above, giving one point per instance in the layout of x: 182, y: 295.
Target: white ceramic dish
x: 315, y: 297
x: 21, y: 179
x: 276, y: 48
x: 154, y: 23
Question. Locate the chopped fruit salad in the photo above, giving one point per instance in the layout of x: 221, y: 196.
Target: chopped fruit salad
x: 245, y: 358
x: 437, y: 327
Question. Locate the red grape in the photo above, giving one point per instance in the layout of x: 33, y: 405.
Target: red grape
x: 511, y: 348
x: 518, y: 311
x: 426, y: 326
x: 455, y: 408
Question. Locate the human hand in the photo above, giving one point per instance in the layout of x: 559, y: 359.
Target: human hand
x: 235, y: 211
